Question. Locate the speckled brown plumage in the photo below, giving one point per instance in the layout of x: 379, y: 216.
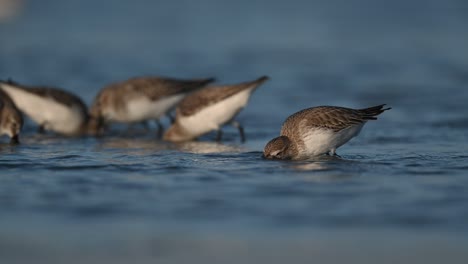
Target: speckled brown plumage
x: 212, y: 95
x: 319, y: 130
x: 153, y: 88
x: 331, y: 117
x: 11, y: 119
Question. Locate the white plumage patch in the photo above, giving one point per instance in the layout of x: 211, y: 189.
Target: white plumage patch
x: 143, y: 109
x: 46, y: 111
x: 319, y: 141
x: 216, y: 115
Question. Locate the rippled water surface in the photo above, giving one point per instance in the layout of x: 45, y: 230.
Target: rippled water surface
x: 399, y: 192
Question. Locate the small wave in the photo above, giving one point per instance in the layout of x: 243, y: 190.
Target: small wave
x: 392, y: 140
x: 65, y: 157
x: 76, y: 167
x: 458, y: 123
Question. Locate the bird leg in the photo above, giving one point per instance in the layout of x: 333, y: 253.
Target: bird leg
x: 219, y: 135
x: 130, y: 129
x: 333, y: 153
x: 160, y: 129
x: 14, y: 140
x: 41, y: 129
x: 145, y: 125
x: 240, y: 128
x: 171, y: 118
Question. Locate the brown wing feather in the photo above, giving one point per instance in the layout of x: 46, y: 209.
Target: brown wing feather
x: 58, y: 95
x: 332, y: 117
x: 211, y: 95
x: 371, y: 112
x: 156, y: 88
x: 116, y: 95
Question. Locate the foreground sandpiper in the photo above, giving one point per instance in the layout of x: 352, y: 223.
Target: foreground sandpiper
x: 52, y: 109
x: 319, y: 130
x: 209, y: 109
x: 139, y: 100
x: 11, y: 119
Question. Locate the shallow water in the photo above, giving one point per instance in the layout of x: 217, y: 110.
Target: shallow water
x: 398, y: 193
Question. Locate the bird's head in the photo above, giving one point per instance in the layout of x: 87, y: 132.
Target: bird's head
x: 279, y: 148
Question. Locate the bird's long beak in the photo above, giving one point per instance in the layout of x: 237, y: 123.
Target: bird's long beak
x: 15, y: 139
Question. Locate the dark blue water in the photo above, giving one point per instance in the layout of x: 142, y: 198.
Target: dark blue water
x: 398, y: 194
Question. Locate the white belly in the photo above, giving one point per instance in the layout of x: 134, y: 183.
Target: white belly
x: 322, y: 141
x: 143, y: 108
x: 214, y: 116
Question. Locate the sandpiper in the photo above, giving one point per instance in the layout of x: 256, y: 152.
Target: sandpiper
x: 209, y: 109
x: 319, y: 130
x: 52, y: 109
x: 140, y: 99
x: 11, y: 119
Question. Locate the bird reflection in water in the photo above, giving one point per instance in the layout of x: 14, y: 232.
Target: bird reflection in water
x: 313, y: 166
x: 143, y: 144
x: 322, y: 169
x: 200, y: 147
x: 149, y: 144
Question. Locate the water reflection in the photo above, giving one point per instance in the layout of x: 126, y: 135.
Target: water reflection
x: 7, y: 148
x: 313, y: 166
x: 142, y: 144
x: 196, y: 147
x: 323, y: 169
x: 205, y: 147
x: 319, y: 163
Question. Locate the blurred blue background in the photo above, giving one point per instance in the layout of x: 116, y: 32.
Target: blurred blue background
x: 399, y: 194
x: 411, y: 50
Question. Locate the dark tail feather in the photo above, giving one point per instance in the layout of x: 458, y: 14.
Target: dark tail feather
x: 207, y: 81
x: 256, y: 82
x: 262, y: 79
x: 8, y: 81
x: 371, y: 112
x: 196, y: 84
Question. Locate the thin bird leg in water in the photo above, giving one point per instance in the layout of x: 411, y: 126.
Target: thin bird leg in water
x: 41, y: 129
x: 333, y: 153
x: 132, y: 127
x: 171, y: 118
x: 104, y: 128
x: 219, y: 135
x: 240, y: 128
x: 160, y: 128
x: 145, y: 126
x: 14, y: 140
